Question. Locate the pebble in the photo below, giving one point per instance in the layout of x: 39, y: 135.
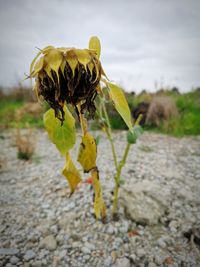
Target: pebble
x: 123, y: 262
x: 49, y: 242
x: 62, y: 231
x: 85, y: 250
x: 29, y: 255
x: 14, y: 260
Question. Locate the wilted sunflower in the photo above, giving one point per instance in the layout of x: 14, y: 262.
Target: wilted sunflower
x: 68, y: 74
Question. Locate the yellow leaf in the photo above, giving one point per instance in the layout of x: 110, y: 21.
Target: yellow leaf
x: 120, y: 103
x: 87, y: 153
x: 64, y: 137
x: 72, y: 60
x: 71, y: 173
x: 99, y: 205
x: 83, y: 56
x: 94, y: 44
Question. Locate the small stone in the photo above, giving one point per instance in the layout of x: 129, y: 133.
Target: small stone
x: 161, y: 242
x: 85, y: 250
x: 152, y: 264
x: 8, y: 251
x: 158, y: 260
x: 49, y: 242
x: 89, y: 246
x: 62, y: 254
x: 29, y: 255
x: 141, y: 252
x: 14, y: 260
x: 123, y: 262
x: 133, y: 257
x: 36, y: 264
x: 110, y: 229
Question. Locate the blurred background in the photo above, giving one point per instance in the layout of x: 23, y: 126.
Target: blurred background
x: 150, y: 48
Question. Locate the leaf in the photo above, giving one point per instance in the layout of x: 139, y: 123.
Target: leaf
x: 120, y: 103
x: 71, y: 173
x: 94, y: 44
x: 64, y: 136
x: 87, y: 153
x: 99, y: 205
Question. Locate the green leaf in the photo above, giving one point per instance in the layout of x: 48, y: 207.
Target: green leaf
x: 64, y: 137
x: 120, y: 103
x: 133, y: 135
x: 94, y: 44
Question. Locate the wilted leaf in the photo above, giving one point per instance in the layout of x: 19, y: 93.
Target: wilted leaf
x: 71, y: 173
x: 87, y: 153
x: 94, y: 44
x: 99, y: 205
x: 64, y: 136
x: 120, y: 103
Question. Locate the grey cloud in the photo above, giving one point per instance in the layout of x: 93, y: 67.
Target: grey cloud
x: 142, y: 41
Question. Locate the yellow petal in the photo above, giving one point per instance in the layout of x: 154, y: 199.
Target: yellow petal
x: 72, y: 60
x: 94, y: 44
x: 83, y: 56
x: 87, y: 153
x: 48, y: 72
x: 99, y: 205
x: 54, y: 59
x: 44, y: 50
x: 71, y: 173
x: 90, y: 67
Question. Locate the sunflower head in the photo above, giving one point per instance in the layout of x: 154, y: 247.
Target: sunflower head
x: 67, y: 74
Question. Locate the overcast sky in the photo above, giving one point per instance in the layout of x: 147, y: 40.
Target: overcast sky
x: 144, y: 42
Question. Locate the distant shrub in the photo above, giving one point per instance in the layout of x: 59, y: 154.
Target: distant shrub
x: 25, y: 144
x: 161, y: 110
x: 32, y: 109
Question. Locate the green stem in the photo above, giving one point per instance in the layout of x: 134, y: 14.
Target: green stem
x: 109, y: 133
x: 117, y: 178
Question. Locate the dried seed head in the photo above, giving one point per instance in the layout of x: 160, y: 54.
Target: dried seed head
x: 67, y: 74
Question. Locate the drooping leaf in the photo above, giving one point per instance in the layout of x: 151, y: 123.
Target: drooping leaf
x: 94, y: 44
x: 120, y: 103
x: 64, y: 137
x: 87, y: 153
x: 99, y: 205
x: 71, y: 173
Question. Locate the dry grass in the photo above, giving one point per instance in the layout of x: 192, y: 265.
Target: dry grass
x: 161, y: 111
x: 25, y: 144
x: 33, y: 109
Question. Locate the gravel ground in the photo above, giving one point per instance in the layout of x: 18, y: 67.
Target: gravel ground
x: 41, y: 226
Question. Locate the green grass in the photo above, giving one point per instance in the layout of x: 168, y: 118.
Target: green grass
x: 187, y: 123
x: 8, y: 109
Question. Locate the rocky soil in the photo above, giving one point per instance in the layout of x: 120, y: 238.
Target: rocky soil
x: 159, y: 202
